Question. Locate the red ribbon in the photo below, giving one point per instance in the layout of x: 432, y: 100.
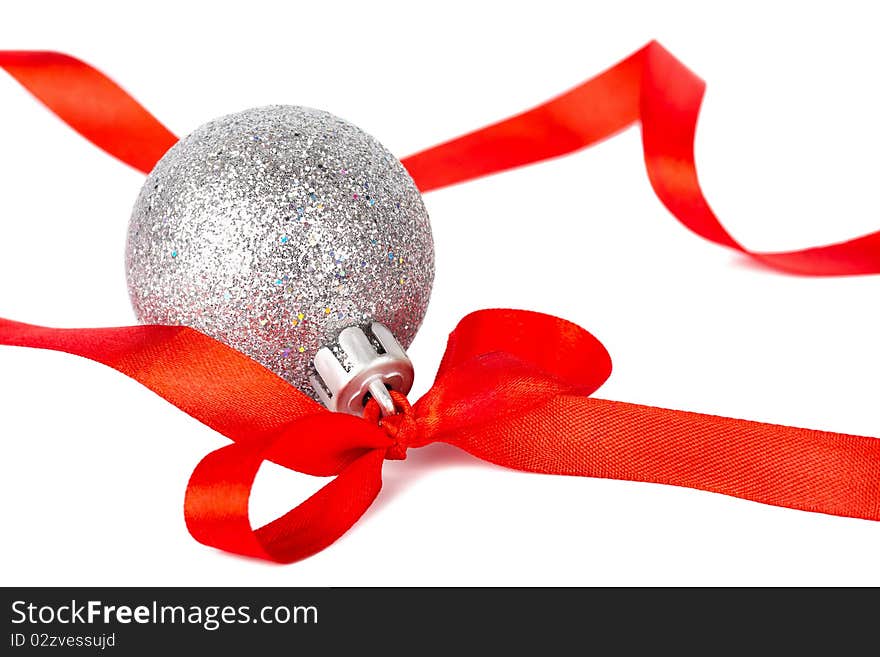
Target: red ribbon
x: 494, y: 396
x: 650, y: 86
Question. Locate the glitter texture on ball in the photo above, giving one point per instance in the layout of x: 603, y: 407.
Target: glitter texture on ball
x: 275, y: 228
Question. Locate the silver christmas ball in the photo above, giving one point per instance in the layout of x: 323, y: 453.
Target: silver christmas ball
x: 275, y: 228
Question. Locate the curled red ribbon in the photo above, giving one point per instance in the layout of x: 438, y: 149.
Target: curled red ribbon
x: 650, y: 87
x: 494, y: 396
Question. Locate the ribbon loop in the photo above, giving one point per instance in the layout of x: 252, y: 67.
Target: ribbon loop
x: 218, y: 494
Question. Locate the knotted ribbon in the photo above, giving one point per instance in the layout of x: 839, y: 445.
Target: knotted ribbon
x: 495, y: 395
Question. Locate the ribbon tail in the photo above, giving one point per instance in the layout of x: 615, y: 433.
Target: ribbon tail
x: 591, y: 112
x: 803, y: 469
x: 216, y: 506
x: 670, y: 101
x: 92, y: 104
x: 210, y: 381
x: 651, y: 87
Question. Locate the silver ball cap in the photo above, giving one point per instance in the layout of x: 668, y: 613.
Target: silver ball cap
x: 356, y: 366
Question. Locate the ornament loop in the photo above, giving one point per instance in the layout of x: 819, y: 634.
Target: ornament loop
x: 400, y: 425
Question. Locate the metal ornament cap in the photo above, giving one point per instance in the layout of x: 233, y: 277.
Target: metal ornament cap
x: 356, y: 368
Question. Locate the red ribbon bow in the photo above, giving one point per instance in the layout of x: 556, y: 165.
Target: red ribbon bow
x: 497, y: 395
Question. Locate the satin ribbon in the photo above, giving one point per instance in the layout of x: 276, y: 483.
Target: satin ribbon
x: 494, y: 396
x: 650, y: 87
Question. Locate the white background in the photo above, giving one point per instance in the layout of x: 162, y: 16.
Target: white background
x: 93, y: 466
